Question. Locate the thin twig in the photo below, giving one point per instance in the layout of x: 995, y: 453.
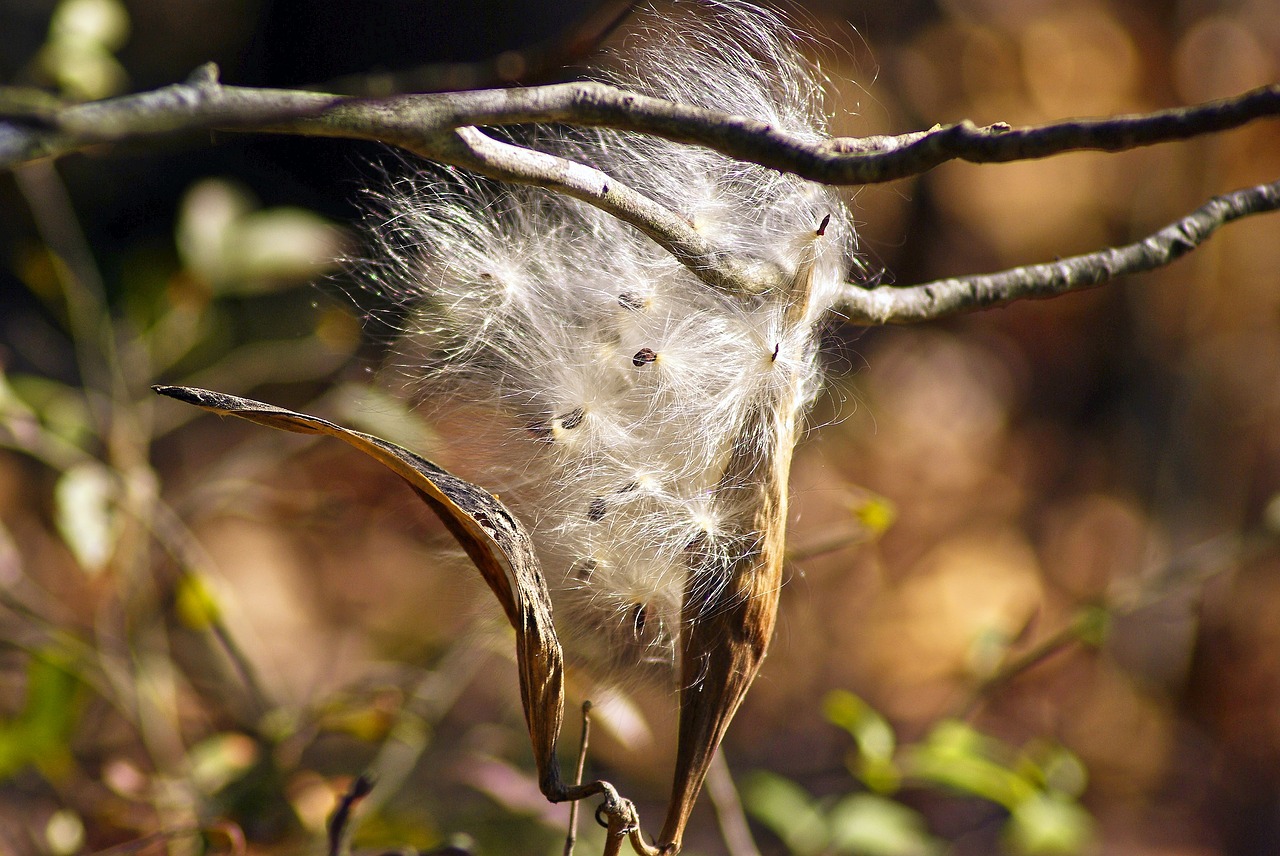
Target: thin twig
x: 177, y: 540
x: 728, y: 807
x: 472, y: 149
x: 578, y: 769
x: 945, y: 297
x: 1191, y: 568
x: 341, y: 817
x: 831, y: 544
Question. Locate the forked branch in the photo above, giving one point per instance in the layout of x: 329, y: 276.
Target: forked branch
x: 445, y: 127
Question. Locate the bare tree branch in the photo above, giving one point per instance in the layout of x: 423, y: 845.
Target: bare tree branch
x: 944, y: 297
x: 474, y: 150
x: 203, y: 103
x: 851, y: 160
x: 445, y: 127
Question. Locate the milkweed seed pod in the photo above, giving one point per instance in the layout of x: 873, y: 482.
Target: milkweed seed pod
x: 646, y: 419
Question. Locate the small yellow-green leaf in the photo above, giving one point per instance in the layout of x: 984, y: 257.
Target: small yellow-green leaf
x: 104, y: 23
x: 957, y: 756
x: 870, y: 730
x: 39, y: 734
x: 1092, y: 625
x: 196, y: 604
x: 876, y: 513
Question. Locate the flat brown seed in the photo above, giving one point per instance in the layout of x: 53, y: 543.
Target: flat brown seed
x: 644, y: 356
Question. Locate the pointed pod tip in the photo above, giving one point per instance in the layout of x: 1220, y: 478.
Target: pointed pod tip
x: 187, y: 394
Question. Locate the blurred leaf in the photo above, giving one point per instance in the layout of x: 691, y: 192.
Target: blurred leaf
x: 876, y: 826
x: 83, y: 34
x: 104, y: 23
x: 282, y: 246
x: 873, y: 736
x: 40, y: 732
x: 1061, y: 770
x: 1092, y: 625
x: 238, y: 249
x: 208, y: 213
x: 85, y: 72
x: 788, y: 811
x: 987, y: 652
x: 196, y: 604
x: 957, y: 756
x: 221, y: 759
x: 876, y: 513
x: 1049, y: 824
x: 59, y: 407
x: 85, y: 508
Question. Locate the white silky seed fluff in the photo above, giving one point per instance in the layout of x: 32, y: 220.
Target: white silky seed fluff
x: 618, y: 379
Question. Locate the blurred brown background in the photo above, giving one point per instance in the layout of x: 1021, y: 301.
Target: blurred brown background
x: 209, y: 626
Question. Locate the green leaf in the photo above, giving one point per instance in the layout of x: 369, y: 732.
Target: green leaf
x: 874, y: 737
x: 959, y: 757
x: 1092, y: 625
x: 788, y: 811
x: 876, y: 513
x: 873, y: 825
x: 40, y: 733
x: 1049, y: 824
x: 196, y: 604
x: 870, y: 730
x: 225, y: 239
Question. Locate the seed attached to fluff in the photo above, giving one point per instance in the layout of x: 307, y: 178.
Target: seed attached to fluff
x: 822, y: 227
x: 776, y: 349
x: 572, y: 419
x: 634, y: 302
x: 644, y: 356
x: 596, y: 510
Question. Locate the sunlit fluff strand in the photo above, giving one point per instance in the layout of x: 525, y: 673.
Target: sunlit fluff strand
x: 618, y: 379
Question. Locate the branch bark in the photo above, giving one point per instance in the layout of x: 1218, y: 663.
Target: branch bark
x: 203, y: 103
x: 956, y: 295
x: 445, y: 127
